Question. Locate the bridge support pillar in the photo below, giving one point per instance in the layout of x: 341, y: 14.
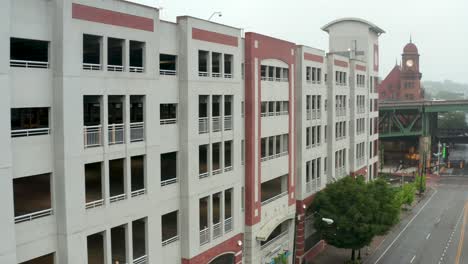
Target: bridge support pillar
x: 425, y: 151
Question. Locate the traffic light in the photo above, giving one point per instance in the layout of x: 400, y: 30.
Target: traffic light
x: 444, y: 152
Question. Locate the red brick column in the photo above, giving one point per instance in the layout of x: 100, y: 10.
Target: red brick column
x: 300, y: 212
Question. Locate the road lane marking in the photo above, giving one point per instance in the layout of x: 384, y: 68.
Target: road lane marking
x: 428, y: 236
x: 462, y: 235
x: 451, y: 236
x: 401, y: 232
x: 412, y: 259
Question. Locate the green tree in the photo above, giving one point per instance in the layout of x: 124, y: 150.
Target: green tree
x: 346, y: 202
x: 452, y: 120
x: 420, y: 183
x: 385, y: 211
x: 359, y: 210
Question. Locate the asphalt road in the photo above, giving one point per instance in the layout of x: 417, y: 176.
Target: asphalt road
x: 436, y: 232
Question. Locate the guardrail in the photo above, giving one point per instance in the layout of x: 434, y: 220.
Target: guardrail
x: 168, y: 121
x: 217, y: 171
x: 228, y: 75
x: 203, y: 125
x: 29, y: 64
x: 170, y: 240
x: 32, y: 216
x: 168, y: 72
x: 216, y: 75
x: 92, y: 66
x: 117, y: 198
x: 92, y: 136
x: 228, y: 168
x: 274, y: 156
x: 138, y: 192
x: 115, y: 68
x: 30, y: 132
x: 274, y: 198
x: 203, y: 175
x: 141, y: 260
x: 228, y: 225
x: 168, y: 182
x: 94, y: 204
x: 116, y: 133
x: 228, y: 122
x: 203, y: 74
x: 136, y: 69
x: 204, y: 236
x: 217, y: 228
x: 216, y: 120
x: 137, y: 131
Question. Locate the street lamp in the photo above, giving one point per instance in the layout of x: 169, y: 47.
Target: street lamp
x: 215, y: 13
x: 328, y: 221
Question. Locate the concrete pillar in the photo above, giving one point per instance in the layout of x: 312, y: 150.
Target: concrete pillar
x: 425, y: 148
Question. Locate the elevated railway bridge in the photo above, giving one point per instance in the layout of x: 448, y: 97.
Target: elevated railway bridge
x: 407, y: 128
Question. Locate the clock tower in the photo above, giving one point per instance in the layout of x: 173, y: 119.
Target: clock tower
x: 410, y: 78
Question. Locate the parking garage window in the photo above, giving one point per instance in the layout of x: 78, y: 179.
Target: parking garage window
x: 92, y: 46
x: 29, y: 53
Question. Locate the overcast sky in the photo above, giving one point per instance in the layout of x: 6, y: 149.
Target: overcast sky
x: 439, y: 27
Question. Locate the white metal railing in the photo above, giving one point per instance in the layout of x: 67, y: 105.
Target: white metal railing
x: 228, y: 225
x: 360, y: 161
x: 169, y: 121
x: 203, y: 74
x: 217, y: 228
x: 136, y: 69
x: 216, y: 75
x: 203, y: 125
x: 94, y: 204
x: 92, y: 136
x: 361, y: 110
x: 117, y: 198
x: 228, y: 75
x: 138, y: 192
x: 314, y: 114
x: 311, y: 185
x: 271, y: 79
x: 309, y: 114
x: 274, y: 156
x: 285, y: 112
x: 228, y: 168
x: 116, y: 133
x: 340, y: 172
x: 168, y: 72
x: 141, y: 260
x: 264, y: 78
x: 274, y: 198
x: 30, y: 132
x: 217, y: 171
x: 29, y: 64
x: 204, y: 236
x: 284, y: 79
x: 92, y: 66
x: 273, y: 240
x: 116, y: 68
x: 228, y: 122
x: 170, y: 240
x: 216, y: 123
x: 32, y: 216
x: 278, y: 79
x: 137, y: 131
x: 264, y: 114
x: 203, y: 175
x: 169, y: 181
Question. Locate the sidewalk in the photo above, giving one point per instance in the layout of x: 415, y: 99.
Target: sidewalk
x: 333, y: 255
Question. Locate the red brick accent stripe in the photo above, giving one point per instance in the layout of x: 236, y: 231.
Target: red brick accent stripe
x: 313, y: 57
x: 214, y: 37
x: 109, y: 17
x: 360, y: 67
x: 341, y: 63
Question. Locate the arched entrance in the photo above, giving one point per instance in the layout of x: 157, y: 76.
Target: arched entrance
x: 227, y: 258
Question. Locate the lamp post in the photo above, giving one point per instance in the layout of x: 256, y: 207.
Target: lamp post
x: 215, y: 13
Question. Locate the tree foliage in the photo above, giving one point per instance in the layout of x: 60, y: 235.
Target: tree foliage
x: 452, y: 120
x: 359, y: 210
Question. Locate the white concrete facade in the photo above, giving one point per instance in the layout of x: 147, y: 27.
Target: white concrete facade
x: 112, y: 112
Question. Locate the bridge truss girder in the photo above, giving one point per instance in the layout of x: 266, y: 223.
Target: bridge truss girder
x: 401, y: 123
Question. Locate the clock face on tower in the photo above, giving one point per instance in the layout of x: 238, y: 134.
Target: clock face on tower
x: 409, y: 63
